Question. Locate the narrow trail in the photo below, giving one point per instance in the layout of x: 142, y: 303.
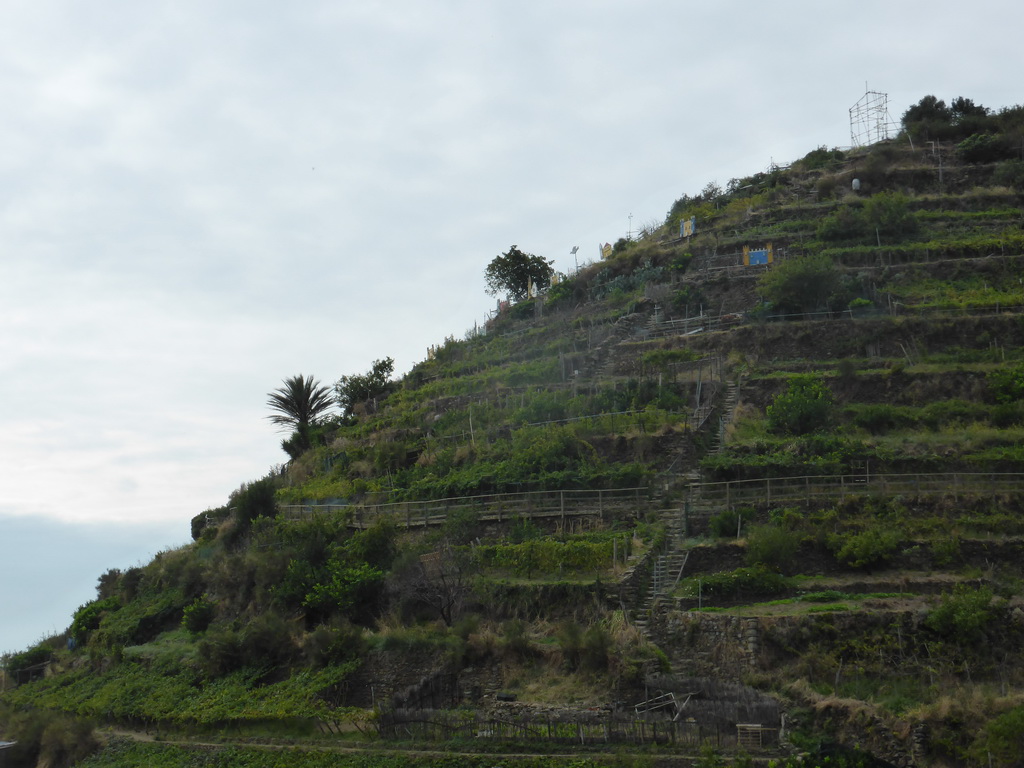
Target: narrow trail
x: 114, y: 733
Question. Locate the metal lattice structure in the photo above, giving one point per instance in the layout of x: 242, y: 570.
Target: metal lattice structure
x: 870, y: 121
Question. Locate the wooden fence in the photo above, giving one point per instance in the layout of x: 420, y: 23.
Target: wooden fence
x: 497, y: 507
x: 808, y: 488
x: 595, y: 729
x: 726, y: 494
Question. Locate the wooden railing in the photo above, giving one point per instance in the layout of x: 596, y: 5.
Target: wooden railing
x: 810, y: 487
x: 491, y: 507
x: 500, y: 507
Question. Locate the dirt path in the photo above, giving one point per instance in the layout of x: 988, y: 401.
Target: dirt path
x: 114, y: 733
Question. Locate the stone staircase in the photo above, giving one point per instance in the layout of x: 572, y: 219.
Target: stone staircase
x: 732, y: 396
x: 665, y: 574
x: 666, y: 570
x: 670, y: 565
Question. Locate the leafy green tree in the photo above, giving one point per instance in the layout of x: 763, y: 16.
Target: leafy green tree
x: 929, y: 119
x: 801, y: 283
x: 962, y: 614
x: 298, y: 405
x: 1006, y: 385
x: 346, y: 586
x: 961, y: 109
x: 88, y: 617
x: 985, y: 148
x: 358, y: 388
x: 255, y: 499
x: 513, y: 271
x: 1002, y: 739
x: 198, y: 615
x: 889, y: 214
x: 932, y: 120
x: 865, y: 549
x: 806, y: 406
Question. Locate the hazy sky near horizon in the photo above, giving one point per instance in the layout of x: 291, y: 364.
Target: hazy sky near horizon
x: 200, y: 199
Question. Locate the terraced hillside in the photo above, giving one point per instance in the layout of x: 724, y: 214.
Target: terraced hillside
x: 665, y: 503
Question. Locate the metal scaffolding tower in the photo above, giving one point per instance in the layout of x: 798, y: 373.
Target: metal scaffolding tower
x: 870, y: 121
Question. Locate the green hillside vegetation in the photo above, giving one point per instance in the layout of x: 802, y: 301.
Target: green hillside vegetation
x: 751, y: 490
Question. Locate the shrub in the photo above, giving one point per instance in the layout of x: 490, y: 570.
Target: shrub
x: 377, y: 545
x: 845, y: 223
x: 753, y: 581
x: 729, y: 522
x: 19, y: 663
x: 946, y: 551
x: 826, y: 187
x: 963, y: 614
x: 336, y: 644
x: 1007, y: 415
x: 800, y: 283
x: 867, y: 548
x: 564, y: 290
x: 822, y: 157
x: 1002, y: 739
x: 1010, y: 174
x: 255, y: 500
x: 984, y: 148
x: 198, y: 615
x: 889, y: 214
x: 87, y: 618
x: 879, y: 418
x: 570, y: 640
x: 205, y: 521
x: 515, y: 641
x: 523, y: 530
x: 266, y: 642
x: 1006, y: 385
x: 46, y: 738
x: 220, y: 652
x: 351, y: 391
x: 461, y: 526
x: 596, y: 645
x: 771, y: 546
x: 805, y: 406
x: 681, y: 262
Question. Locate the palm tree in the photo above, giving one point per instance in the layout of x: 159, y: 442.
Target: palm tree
x: 298, y: 405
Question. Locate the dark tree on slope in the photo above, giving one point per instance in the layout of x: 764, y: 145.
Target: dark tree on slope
x: 361, y: 387
x: 298, y: 405
x: 800, y: 284
x: 932, y: 120
x: 512, y: 272
x: 439, y: 581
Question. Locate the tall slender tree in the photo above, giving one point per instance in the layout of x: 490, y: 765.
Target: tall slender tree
x: 298, y: 405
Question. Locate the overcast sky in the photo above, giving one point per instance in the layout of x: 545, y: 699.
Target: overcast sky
x: 200, y: 199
